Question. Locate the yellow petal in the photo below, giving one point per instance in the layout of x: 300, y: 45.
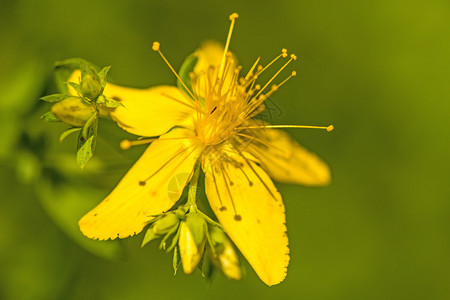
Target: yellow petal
x: 210, y: 55
x: 251, y: 211
x: 148, y: 112
x: 286, y: 161
x: 147, y: 189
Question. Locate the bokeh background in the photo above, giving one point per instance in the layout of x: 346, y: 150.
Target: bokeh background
x: 378, y: 70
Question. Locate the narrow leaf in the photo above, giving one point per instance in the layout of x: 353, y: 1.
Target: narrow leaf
x: 55, y: 98
x: 67, y: 133
x: 49, y: 117
x: 150, y: 235
x: 102, y: 75
x: 110, y: 102
x: 75, y: 86
x: 175, y: 260
x: 85, y: 153
x: 88, y: 124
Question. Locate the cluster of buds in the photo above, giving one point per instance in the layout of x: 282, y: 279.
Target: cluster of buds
x: 80, y: 105
x: 196, y: 238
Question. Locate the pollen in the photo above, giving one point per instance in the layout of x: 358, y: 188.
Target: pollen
x: 234, y: 16
x: 156, y: 46
x: 125, y: 144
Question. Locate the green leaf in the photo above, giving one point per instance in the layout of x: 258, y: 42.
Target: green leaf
x: 75, y: 86
x: 89, y: 122
x: 175, y: 261
x: 186, y: 68
x: 150, y: 235
x: 67, y: 133
x: 102, y: 75
x: 85, y: 153
x: 86, y: 146
x: 110, y: 102
x: 55, y: 98
x: 49, y: 117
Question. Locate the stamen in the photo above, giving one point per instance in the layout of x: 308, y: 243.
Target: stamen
x: 156, y: 47
x: 261, y: 141
x: 142, y: 182
x: 250, y: 183
x: 327, y: 128
x: 236, y: 216
x: 256, y: 173
x: 181, y: 102
x: 293, y: 57
x: 222, y: 208
x: 247, y: 77
x: 179, y: 152
x: 127, y: 144
x: 261, y: 69
x: 290, y: 76
x: 233, y: 18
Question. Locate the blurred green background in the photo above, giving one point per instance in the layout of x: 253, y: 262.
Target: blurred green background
x: 379, y: 71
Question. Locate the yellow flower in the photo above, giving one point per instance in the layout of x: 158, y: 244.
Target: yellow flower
x: 211, y: 123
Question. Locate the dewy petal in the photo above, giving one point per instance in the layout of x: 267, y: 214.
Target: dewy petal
x: 259, y: 230
x: 153, y: 185
x: 286, y: 161
x: 148, y: 112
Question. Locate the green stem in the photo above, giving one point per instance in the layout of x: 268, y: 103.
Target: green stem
x: 192, y: 195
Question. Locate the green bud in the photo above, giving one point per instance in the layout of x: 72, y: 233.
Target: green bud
x: 224, y: 255
x: 90, y: 85
x: 192, y: 241
x: 73, y: 111
x: 166, y: 223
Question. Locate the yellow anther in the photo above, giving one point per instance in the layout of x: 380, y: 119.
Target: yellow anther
x: 274, y: 87
x: 330, y: 128
x: 259, y: 68
x: 284, y: 52
x: 156, y: 46
x: 294, y: 57
x: 234, y: 16
x: 294, y: 73
x: 257, y: 87
x: 125, y: 144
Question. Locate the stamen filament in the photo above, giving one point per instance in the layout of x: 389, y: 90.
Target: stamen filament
x: 156, y: 47
x: 233, y: 18
x: 327, y: 128
x: 294, y: 73
x: 293, y: 57
x: 247, y: 77
x: 181, y: 102
x: 127, y: 144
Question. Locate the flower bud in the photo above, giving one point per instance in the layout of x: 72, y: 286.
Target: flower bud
x: 90, y: 83
x: 73, y: 111
x: 224, y: 256
x: 192, y: 241
x: 166, y: 223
